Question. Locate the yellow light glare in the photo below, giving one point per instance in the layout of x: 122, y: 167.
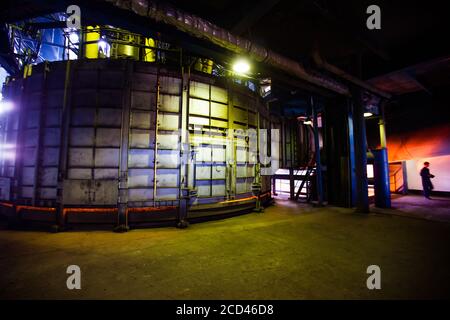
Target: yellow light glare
x: 241, y: 67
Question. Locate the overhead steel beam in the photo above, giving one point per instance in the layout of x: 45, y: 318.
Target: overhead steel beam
x: 202, y: 29
x: 344, y: 75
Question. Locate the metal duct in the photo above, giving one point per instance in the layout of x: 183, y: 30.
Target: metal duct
x: 344, y: 75
x: 203, y: 29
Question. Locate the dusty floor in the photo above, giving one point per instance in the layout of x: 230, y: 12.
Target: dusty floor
x: 287, y: 252
x: 417, y: 206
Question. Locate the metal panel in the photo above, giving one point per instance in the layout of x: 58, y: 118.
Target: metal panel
x: 89, y: 192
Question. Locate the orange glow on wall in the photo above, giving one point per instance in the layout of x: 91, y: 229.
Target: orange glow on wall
x: 427, y: 142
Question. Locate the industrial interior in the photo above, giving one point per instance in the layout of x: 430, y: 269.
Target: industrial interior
x: 292, y: 131
x: 119, y: 125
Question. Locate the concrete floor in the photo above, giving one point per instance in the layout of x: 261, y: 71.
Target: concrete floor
x: 287, y: 252
x: 417, y: 206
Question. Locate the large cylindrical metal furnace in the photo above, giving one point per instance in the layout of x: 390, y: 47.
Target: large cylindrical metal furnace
x: 129, y: 142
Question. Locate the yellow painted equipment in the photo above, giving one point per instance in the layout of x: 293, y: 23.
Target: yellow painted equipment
x: 149, y: 54
x: 131, y: 50
x: 27, y: 70
x: 204, y: 65
x: 92, y: 34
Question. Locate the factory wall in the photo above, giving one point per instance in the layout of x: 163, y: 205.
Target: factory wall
x: 86, y: 131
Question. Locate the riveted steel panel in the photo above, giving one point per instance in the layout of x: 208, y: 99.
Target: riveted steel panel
x: 169, y: 103
x: 31, y: 137
x: 88, y: 192
x: 26, y: 192
x: 141, y: 120
x: 219, y: 172
x: 108, y: 137
x: 167, y: 178
x: 109, y: 117
x: 219, y: 94
x: 168, y: 122
x: 78, y: 173
x: 243, y: 186
x: 218, y: 154
x: 32, y: 117
x: 219, y: 110
x: 198, y: 107
x: 140, y: 178
x: 28, y: 176
x: 47, y: 193
x: 84, y: 98
x: 53, y: 118
x: 111, y: 79
x: 85, y: 79
x: 140, y: 194
x: 199, y: 90
x: 81, y: 137
x: 167, y: 193
x: 219, y: 123
x: 204, y: 154
x: 168, y: 159
x: 170, y: 85
x: 168, y: 141
x: 28, y: 156
x: 48, y: 177
x: 140, y: 158
x: 203, y: 171
x: 143, y: 100
x: 52, y: 137
x: 83, y: 117
x: 200, y: 121
x: 143, y: 81
x: 50, y: 156
x: 142, y: 138
x: 218, y: 188
x: 102, y: 174
x: 107, y: 157
x: 81, y: 157
x: 110, y: 99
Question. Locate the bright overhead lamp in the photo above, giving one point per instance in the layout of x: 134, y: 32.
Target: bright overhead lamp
x: 368, y: 114
x: 6, y: 106
x: 241, y: 66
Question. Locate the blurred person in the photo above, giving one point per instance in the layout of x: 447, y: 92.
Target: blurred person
x: 426, y: 180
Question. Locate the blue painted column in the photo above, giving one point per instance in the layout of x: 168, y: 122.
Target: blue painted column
x: 381, y: 177
x: 317, y: 153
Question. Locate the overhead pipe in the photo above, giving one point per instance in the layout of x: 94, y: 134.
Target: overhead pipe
x: 322, y: 63
x: 203, y: 29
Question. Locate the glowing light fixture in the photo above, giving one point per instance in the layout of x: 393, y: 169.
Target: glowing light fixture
x: 368, y: 114
x: 74, y: 38
x: 5, y: 106
x: 241, y: 67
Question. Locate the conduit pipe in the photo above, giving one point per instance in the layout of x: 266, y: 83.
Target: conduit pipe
x: 206, y: 30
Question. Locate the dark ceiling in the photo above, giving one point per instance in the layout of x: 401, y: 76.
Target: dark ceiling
x: 413, y: 32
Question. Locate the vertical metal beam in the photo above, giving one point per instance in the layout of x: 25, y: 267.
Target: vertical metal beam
x: 319, y: 180
x: 40, y: 132
x: 122, y: 201
x: 231, y: 149
x: 351, y: 156
x: 362, y: 196
x: 64, y: 148
x: 186, y: 164
x: 291, y: 183
x: 155, y: 155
